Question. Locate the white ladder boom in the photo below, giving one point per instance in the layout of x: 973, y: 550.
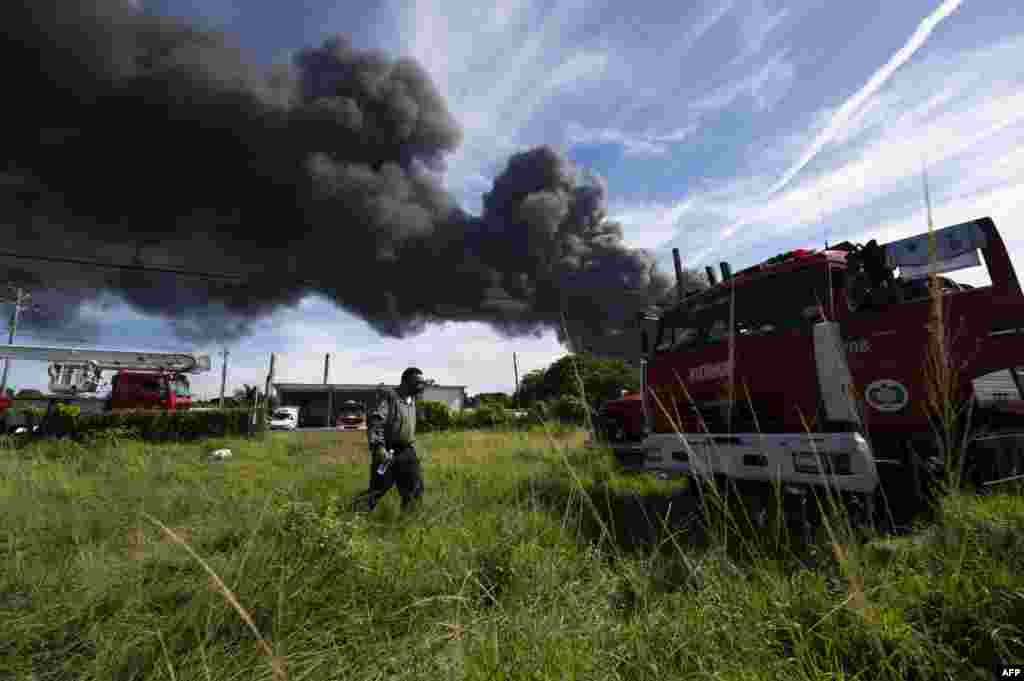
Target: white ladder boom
x: 110, y: 360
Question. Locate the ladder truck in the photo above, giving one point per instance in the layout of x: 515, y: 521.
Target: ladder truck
x: 143, y: 380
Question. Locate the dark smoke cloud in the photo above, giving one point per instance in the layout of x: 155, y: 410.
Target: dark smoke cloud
x: 138, y: 137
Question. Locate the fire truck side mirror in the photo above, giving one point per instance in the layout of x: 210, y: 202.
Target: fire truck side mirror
x: 644, y: 342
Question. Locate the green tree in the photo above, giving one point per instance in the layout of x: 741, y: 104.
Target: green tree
x: 570, y: 409
x: 603, y: 379
x: 29, y: 393
x: 487, y: 415
x: 498, y: 399
x: 531, y: 387
x: 434, y: 416
x: 247, y: 393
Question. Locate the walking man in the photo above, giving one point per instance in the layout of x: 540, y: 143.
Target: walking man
x: 391, y: 431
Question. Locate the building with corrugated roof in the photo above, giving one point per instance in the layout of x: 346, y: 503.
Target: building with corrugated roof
x: 319, y: 403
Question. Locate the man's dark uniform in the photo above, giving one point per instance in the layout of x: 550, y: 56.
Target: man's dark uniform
x: 392, y: 425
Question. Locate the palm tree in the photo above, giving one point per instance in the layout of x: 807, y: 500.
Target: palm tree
x: 247, y: 393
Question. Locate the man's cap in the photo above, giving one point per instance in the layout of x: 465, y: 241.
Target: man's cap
x: 411, y: 371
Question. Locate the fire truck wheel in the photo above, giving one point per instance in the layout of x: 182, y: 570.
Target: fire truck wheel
x: 612, y: 429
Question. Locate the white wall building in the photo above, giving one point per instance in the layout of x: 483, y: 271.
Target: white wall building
x: 315, y: 399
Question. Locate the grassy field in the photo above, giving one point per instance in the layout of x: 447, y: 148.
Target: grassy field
x: 531, y: 558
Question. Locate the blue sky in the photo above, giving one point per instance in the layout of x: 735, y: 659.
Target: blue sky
x: 732, y: 130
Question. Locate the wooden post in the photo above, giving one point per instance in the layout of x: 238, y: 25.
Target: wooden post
x: 330, y: 393
x: 515, y: 368
x: 223, y: 376
x: 270, y: 378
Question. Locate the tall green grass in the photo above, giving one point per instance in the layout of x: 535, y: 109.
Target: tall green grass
x: 531, y: 558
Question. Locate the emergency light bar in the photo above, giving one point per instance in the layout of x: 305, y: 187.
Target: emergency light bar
x: 956, y: 248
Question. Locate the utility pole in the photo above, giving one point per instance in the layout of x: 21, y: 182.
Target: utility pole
x: 270, y: 378
x: 223, y: 375
x: 19, y: 302
x: 330, y: 393
x: 515, y: 368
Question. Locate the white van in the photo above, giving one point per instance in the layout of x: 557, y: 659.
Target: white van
x: 284, y: 418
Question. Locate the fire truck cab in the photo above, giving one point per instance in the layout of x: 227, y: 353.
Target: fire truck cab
x: 817, y: 366
x: 147, y: 390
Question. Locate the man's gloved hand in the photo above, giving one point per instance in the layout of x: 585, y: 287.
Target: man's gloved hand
x: 389, y: 457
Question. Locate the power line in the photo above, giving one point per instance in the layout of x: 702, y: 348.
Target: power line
x: 149, y: 347
x: 209, y: 276
x: 50, y: 339
x: 136, y: 268
x: 241, y: 278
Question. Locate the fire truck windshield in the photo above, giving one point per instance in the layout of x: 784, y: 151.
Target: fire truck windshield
x: 181, y: 387
x: 775, y: 303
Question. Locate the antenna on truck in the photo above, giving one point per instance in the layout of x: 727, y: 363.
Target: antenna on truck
x: 927, y: 196
x: 679, y: 274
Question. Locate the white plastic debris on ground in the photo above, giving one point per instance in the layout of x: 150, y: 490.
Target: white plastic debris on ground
x: 220, y: 454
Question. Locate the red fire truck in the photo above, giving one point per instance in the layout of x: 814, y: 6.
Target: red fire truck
x: 812, y: 368
x: 144, y: 380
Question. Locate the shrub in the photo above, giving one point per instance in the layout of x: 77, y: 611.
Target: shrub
x: 64, y: 421
x: 570, y: 409
x: 148, y: 424
x: 110, y: 437
x: 462, y: 420
x: 72, y: 410
x: 434, y: 416
x: 488, y: 416
x: 539, y: 412
x: 29, y: 393
x: 320, y: 533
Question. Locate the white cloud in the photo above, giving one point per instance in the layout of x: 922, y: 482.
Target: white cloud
x: 767, y: 84
x: 580, y: 67
x: 892, y: 161
x: 470, y: 354
x: 877, y: 80
x: 498, y: 69
x: 887, y: 148
x: 707, y: 22
x: 756, y: 24
x: 525, y: 64
x: 634, y: 144
x: 963, y: 112
x: 648, y: 225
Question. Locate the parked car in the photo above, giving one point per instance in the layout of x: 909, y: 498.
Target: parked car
x: 285, y: 418
x: 351, y: 416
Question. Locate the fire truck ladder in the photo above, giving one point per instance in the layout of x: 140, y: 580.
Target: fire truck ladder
x: 76, y: 370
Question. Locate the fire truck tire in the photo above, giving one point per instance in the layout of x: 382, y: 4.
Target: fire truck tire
x: 994, y: 457
x: 612, y: 429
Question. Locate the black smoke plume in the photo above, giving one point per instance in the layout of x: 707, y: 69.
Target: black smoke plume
x: 137, y: 138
